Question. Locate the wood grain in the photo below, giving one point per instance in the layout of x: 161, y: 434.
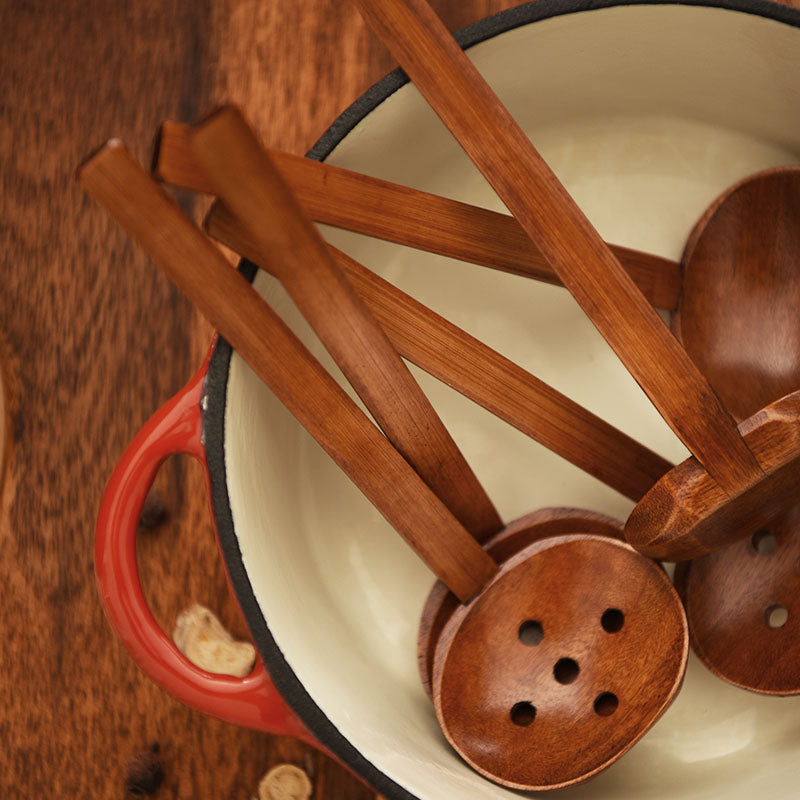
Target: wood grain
x: 504, y: 154
x: 80, y: 332
x: 480, y: 373
x: 262, y: 339
x: 738, y: 321
x: 735, y: 598
x: 357, y: 202
x: 245, y: 177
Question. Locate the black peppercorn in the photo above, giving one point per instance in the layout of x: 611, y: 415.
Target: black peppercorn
x: 145, y: 772
x: 154, y: 511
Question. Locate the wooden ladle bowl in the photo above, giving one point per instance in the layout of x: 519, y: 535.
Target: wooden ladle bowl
x: 737, y: 319
x: 572, y: 652
x: 737, y: 315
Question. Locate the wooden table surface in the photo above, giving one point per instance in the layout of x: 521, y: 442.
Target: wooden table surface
x: 93, y: 339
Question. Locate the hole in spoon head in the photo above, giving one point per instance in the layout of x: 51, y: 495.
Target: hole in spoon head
x: 523, y: 714
x: 776, y: 616
x: 612, y: 620
x: 566, y: 670
x: 605, y: 704
x: 763, y: 542
x: 531, y: 632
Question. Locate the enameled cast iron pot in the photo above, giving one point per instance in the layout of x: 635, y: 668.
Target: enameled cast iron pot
x: 646, y: 113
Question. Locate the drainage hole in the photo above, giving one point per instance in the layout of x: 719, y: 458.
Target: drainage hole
x: 523, y: 714
x: 612, y: 620
x: 566, y: 670
x: 764, y: 541
x: 776, y: 616
x: 605, y: 704
x: 531, y: 632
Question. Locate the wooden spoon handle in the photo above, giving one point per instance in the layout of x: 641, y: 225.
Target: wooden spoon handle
x: 533, y: 194
x: 356, y: 202
x: 482, y: 374
x: 232, y: 306
x: 244, y: 177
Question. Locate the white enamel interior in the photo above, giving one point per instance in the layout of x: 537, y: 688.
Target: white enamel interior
x: 645, y: 113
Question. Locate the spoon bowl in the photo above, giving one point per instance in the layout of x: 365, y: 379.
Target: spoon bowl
x: 561, y: 664
x: 741, y: 283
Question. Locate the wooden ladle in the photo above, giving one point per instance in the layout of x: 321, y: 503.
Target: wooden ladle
x: 740, y: 475
x: 738, y: 319
x: 568, y: 631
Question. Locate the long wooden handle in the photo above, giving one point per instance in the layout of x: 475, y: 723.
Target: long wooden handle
x: 533, y: 194
x: 244, y: 177
x: 385, y: 210
x: 482, y: 374
x: 232, y: 306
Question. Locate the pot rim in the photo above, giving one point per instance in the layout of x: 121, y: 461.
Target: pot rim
x: 215, y: 392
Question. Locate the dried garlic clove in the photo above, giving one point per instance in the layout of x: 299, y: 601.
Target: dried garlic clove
x: 199, y: 635
x: 285, y: 782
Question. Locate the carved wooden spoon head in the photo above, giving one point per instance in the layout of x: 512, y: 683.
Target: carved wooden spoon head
x: 738, y: 320
x: 561, y: 664
x: 738, y: 314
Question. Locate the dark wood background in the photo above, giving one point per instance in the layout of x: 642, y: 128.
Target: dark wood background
x: 93, y: 339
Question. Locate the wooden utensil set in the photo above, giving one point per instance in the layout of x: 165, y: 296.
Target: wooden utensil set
x: 550, y: 645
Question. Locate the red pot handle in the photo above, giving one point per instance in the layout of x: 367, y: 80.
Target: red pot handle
x: 252, y: 701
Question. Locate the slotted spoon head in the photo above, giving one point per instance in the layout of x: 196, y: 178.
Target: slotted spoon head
x: 743, y: 610
x: 562, y: 664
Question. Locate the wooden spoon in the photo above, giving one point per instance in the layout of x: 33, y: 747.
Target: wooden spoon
x: 738, y: 319
x: 580, y: 672
x: 356, y: 202
x: 748, y: 474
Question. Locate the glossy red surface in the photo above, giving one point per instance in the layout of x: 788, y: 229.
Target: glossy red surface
x: 252, y: 701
